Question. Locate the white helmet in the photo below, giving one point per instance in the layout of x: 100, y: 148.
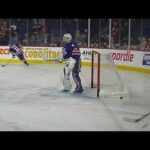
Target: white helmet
x: 67, y: 38
x: 13, y: 27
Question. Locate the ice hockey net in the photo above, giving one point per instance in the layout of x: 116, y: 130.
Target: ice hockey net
x: 105, y: 78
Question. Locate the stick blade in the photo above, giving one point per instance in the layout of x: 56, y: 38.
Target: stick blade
x: 130, y: 120
x: 138, y: 119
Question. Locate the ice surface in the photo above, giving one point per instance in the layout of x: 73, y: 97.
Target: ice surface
x: 30, y: 101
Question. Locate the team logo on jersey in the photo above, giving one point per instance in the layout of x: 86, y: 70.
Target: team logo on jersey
x: 146, y: 59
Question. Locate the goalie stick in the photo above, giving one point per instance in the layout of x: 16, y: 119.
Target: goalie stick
x: 138, y: 119
x: 52, y: 60
x: 55, y: 60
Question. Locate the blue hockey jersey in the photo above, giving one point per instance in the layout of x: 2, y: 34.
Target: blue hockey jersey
x: 71, y: 50
x: 15, y: 47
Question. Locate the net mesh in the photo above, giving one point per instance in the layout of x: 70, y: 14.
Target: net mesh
x: 110, y: 81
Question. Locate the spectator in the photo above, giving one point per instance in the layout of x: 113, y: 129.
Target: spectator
x: 25, y: 39
x: 36, y: 30
x: 4, y: 38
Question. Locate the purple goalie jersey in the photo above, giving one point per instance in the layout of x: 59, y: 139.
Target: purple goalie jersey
x: 71, y: 50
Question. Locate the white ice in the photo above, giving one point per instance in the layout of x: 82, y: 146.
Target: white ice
x: 30, y: 101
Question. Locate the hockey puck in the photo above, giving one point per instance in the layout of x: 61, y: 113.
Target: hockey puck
x: 121, y: 97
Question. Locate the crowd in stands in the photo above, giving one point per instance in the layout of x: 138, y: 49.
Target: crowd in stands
x: 4, y: 33
x: 48, y: 32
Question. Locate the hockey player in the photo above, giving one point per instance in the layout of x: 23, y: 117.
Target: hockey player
x: 15, y: 48
x: 71, y: 53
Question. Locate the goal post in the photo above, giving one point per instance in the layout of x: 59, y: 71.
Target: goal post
x: 103, y: 76
x: 98, y: 71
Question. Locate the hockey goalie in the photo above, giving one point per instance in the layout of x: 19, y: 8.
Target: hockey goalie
x: 70, y: 80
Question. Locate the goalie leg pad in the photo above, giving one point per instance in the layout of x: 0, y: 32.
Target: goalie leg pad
x: 69, y: 65
x: 65, y: 80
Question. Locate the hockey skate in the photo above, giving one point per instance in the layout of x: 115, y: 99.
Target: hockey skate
x: 78, y: 90
x: 26, y: 63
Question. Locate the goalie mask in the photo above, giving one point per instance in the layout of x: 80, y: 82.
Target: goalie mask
x: 67, y: 38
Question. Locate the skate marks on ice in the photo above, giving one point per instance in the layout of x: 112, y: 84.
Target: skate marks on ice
x: 55, y: 93
x: 9, y: 126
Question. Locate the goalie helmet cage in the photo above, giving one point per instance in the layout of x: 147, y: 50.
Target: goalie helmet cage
x: 105, y: 76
